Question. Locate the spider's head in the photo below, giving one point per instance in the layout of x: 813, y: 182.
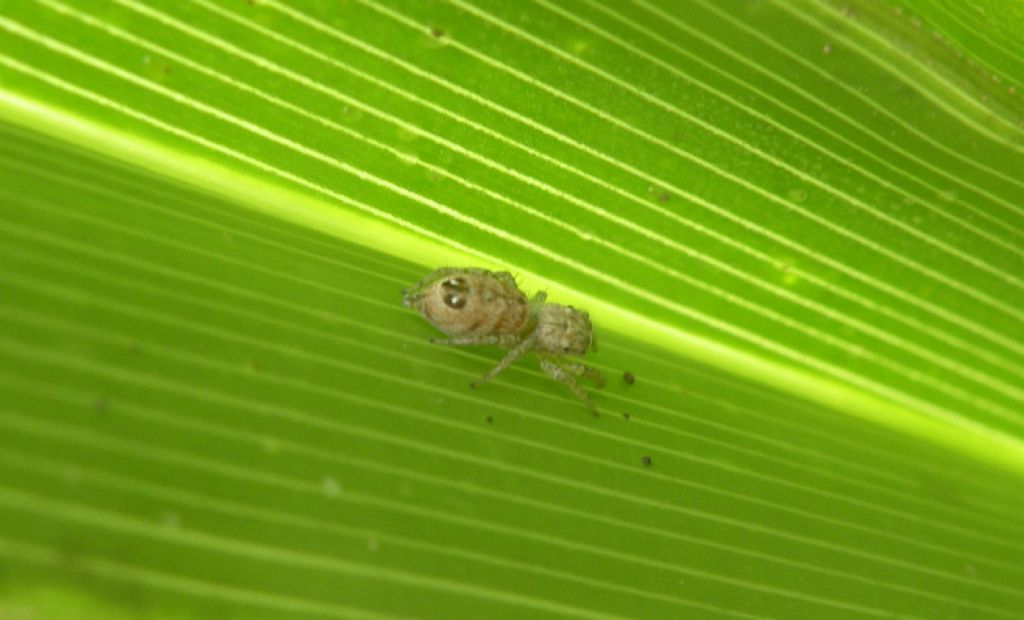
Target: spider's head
x: 463, y: 302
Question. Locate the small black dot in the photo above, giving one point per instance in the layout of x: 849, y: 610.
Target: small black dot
x: 437, y: 32
x: 628, y: 377
x: 490, y: 420
x: 646, y: 461
x: 625, y: 415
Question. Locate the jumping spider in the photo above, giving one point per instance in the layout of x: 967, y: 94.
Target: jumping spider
x: 480, y: 307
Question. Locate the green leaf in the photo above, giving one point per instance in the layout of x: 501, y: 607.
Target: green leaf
x: 798, y: 224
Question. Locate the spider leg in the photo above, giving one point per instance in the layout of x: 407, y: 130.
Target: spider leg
x: 582, y: 370
x: 517, y: 351
x: 501, y: 340
x: 563, y: 376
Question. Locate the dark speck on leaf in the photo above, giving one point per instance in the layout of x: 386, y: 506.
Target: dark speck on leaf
x: 663, y: 197
x: 646, y: 461
x: 625, y: 415
x: 490, y: 420
x: 437, y: 32
x: 628, y: 377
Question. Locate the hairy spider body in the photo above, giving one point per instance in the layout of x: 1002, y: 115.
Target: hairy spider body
x: 470, y: 302
x: 480, y: 307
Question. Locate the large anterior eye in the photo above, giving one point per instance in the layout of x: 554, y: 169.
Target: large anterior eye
x: 455, y: 300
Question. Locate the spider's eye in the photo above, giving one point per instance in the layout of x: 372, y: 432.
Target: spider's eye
x: 458, y: 284
x: 454, y: 300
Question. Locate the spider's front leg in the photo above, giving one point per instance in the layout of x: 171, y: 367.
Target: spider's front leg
x: 582, y: 370
x: 501, y: 340
x: 564, y: 376
x: 521, y: 349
